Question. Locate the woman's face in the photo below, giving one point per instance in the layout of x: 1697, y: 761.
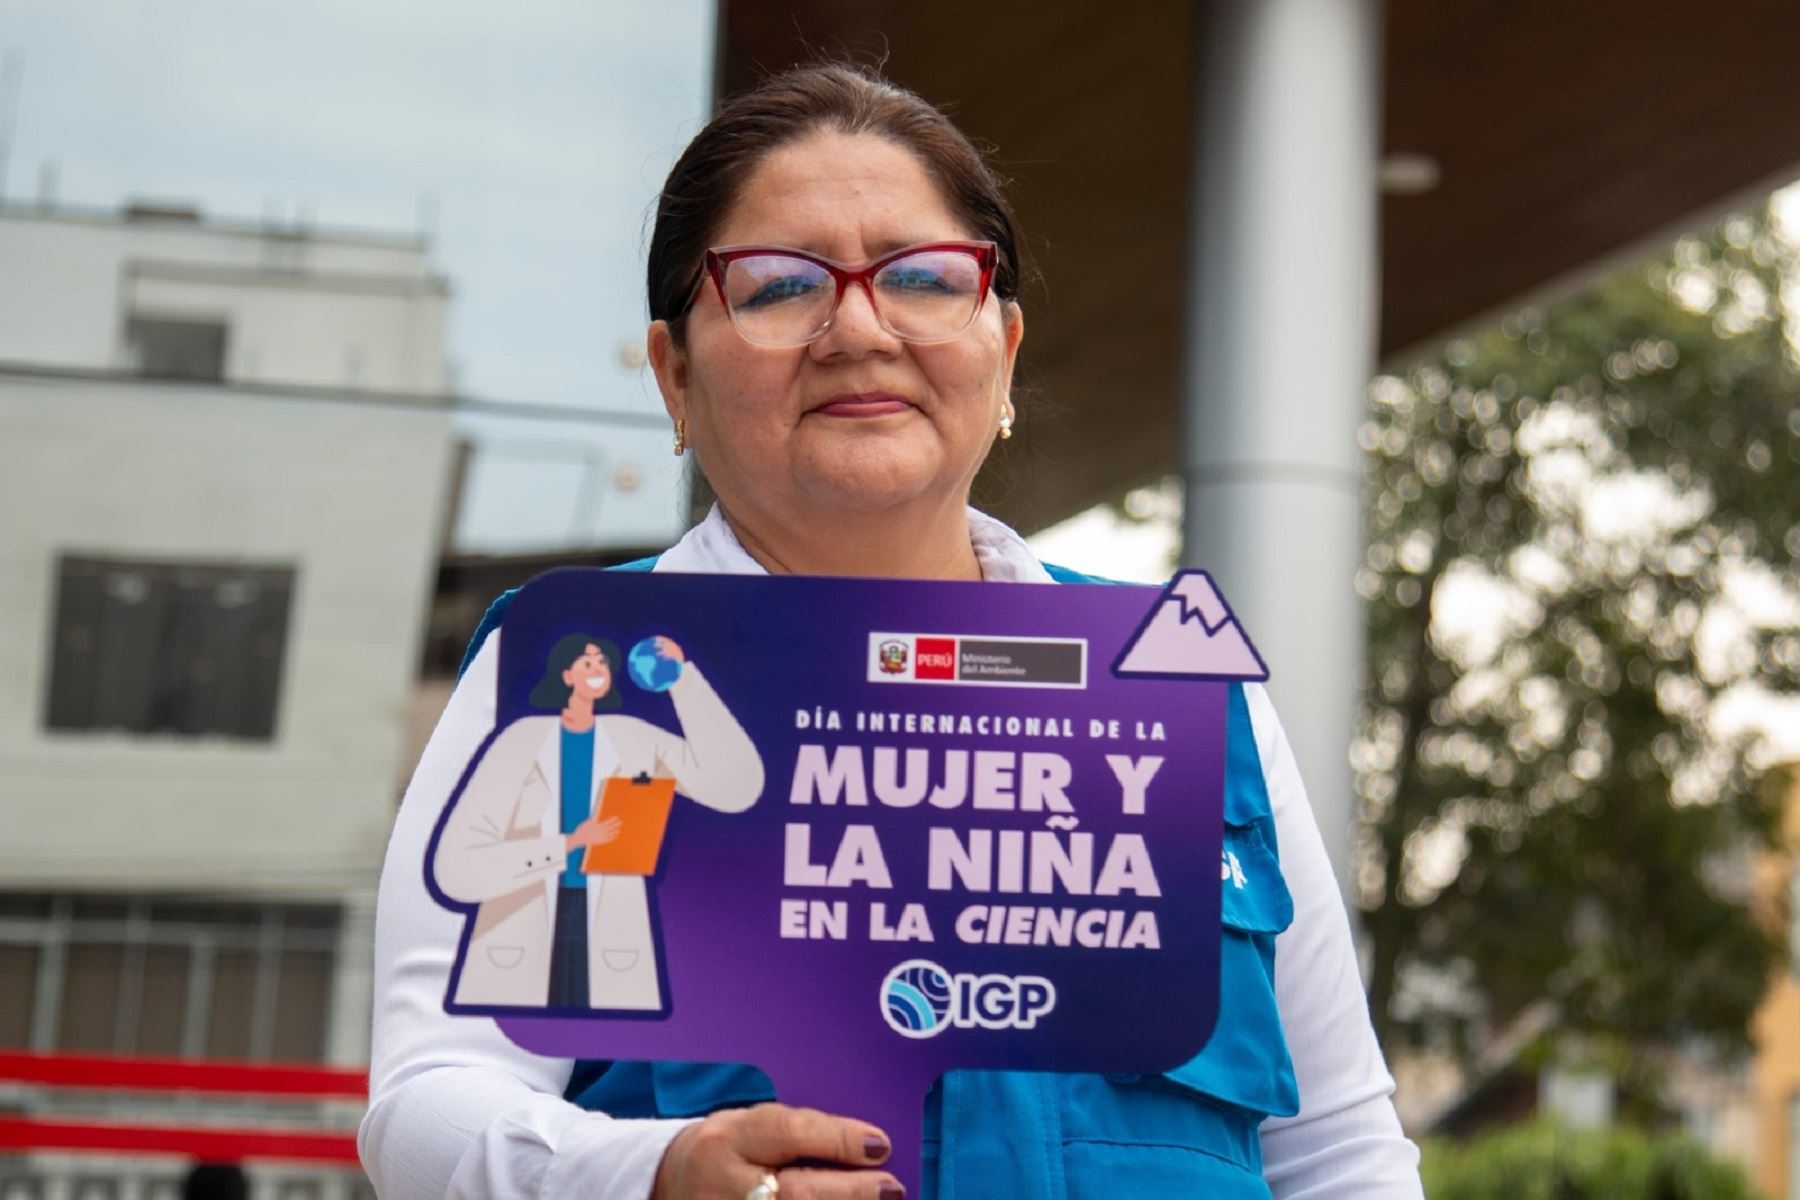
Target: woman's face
x: 857, y: 420
x: 590, y: 676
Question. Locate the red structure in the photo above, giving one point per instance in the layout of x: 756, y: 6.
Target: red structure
x: 207, y: 1142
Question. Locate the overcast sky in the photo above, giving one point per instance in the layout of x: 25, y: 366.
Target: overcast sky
x: 541, y: 128
x: 532, y: 137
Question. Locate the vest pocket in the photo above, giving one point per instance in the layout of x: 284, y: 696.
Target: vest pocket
x: 1245, y: 1064
x: 1154, y: 1136
x: 1254, y: 897
x: 1109, y: 1171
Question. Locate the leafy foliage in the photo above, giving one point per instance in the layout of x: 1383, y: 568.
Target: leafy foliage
x: 1550, y: 809
x: 1541, y: 1162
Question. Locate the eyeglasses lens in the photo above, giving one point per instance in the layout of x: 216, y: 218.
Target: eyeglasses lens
x: 779, y: 300
x: 929, y: 296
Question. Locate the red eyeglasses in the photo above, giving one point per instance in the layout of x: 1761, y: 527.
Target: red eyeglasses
x: 781, y: 297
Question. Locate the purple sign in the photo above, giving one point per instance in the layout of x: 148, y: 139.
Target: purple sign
x: 856, y: 833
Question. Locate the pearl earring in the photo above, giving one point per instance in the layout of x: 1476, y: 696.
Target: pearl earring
x: 680, y: 437
x: 1005, y: 425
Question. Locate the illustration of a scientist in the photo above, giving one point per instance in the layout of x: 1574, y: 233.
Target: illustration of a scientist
x: 558, y: 830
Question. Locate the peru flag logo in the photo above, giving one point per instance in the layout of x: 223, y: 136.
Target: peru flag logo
x: 934, y: 658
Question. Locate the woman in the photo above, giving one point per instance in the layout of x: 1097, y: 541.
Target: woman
x: 550, y: 933
x: 817, y: 346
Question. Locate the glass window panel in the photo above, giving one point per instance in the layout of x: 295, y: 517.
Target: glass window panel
x: 169, y: 348
x: 183, y: 672
x: 75, y: 645
x: 94, y: 1189
x: 234, y: 991
x: 99, y: 908
x: 169, y: 647
x: 302, y: 1006
x: 26, y: 905
x: 223, y: 651
x: 211, y: 913
x: 246, y: 631
x: 20, y: 1187
x: 162, y: 1004
x: 312, y: 916
x: 18, y: 991
x: 134, y: 599
x: 90, y: 998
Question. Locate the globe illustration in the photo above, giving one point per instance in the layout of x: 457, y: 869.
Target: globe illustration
x: 916, y: 998
x: 650, y: 668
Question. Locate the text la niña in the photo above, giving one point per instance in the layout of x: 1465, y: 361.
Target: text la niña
x: 1037, y: 862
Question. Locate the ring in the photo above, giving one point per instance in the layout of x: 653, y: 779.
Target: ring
x: 768, y: 1189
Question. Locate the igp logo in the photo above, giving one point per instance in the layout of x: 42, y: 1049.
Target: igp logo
x: 919, y: 999
x: 915, y: 998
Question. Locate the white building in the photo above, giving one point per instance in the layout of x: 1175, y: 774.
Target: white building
x: 159, y: 292
x: 226, y: 456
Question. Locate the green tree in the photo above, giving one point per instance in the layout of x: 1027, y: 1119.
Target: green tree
x: 1541, y: 1162
x: 1548, y: 810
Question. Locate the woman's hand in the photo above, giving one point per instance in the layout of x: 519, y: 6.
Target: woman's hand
x: 670, y: 649
x: 725, y: 1156
x: 593, y: 832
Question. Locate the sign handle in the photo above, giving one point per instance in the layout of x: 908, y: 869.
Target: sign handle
x: 881, y: 1102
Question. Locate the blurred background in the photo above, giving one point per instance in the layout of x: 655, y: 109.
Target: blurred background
x: 1462, y: 342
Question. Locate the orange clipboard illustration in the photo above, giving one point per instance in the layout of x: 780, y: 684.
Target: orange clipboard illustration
x: 642, y: 806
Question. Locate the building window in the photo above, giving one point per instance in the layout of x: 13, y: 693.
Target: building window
x: 146, y: 647
x: 166, y: 977
x: 169, y: 349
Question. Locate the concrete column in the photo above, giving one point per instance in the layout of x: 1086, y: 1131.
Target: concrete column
x: 1281, y: 344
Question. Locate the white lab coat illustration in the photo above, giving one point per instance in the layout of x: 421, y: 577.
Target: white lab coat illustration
x: 502, y: 846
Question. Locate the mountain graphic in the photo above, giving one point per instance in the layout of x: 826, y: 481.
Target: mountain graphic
x: 1191, y: 633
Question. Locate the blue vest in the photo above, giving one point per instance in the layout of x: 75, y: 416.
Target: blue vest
x: 1175, y: 1135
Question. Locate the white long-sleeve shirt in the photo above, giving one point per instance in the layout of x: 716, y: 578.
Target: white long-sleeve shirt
x: 455, y: 1109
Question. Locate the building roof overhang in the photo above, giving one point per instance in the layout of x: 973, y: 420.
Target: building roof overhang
x: 1565, y: 137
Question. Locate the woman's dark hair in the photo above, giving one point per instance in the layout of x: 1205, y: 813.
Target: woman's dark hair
x: 823, y: 96
x: 215, y: 1181
x: 552, y: 692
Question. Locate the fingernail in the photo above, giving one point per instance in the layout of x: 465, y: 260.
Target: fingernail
x: 875, y: 1148
x: 892, y: 1191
